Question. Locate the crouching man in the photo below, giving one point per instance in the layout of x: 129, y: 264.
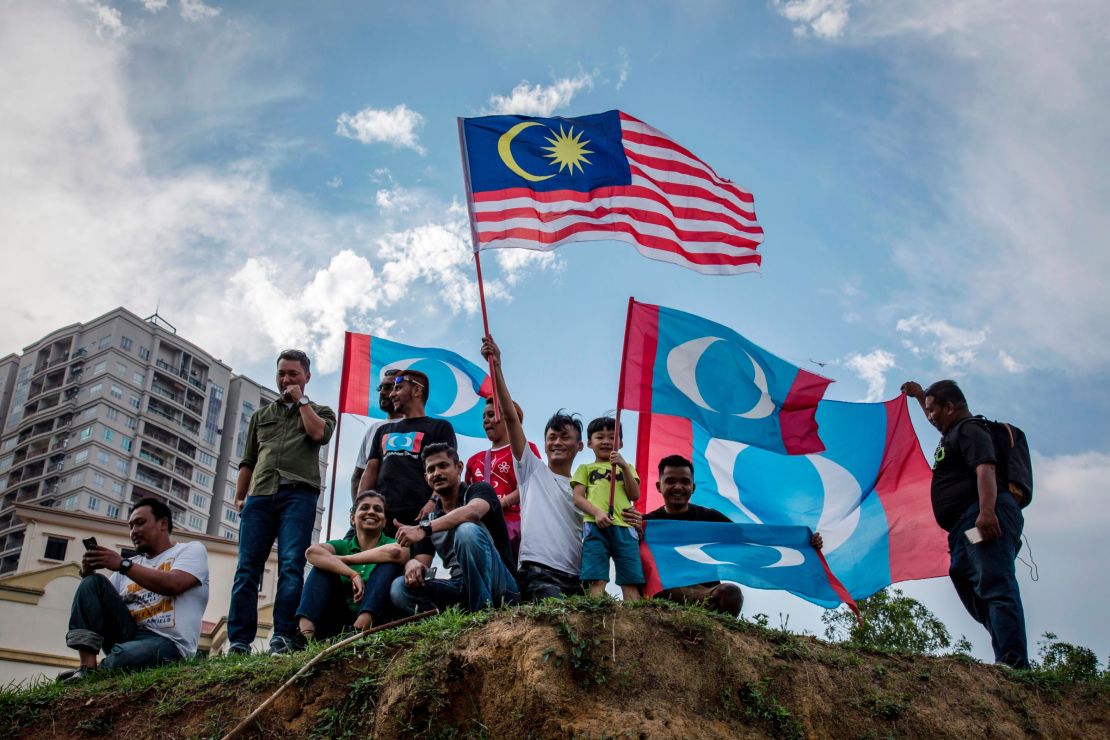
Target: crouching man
x: 350, y: 579
x: 467, y: 530
x: 149, y: 611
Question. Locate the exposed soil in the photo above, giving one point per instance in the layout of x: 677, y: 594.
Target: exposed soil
x: 607, y: 671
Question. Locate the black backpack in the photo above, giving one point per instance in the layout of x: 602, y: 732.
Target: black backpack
x: 1014, y: 467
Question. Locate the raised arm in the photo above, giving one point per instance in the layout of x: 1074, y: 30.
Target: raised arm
x: 913, y: 389
x: 517, y: 440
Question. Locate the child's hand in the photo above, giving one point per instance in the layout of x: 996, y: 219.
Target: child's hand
x: 603, y: 520
x: 615, y: 458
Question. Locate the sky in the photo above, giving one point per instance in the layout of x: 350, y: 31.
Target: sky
x: 931, y: 176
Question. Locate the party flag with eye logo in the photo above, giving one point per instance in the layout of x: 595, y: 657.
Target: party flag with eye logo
x: 538, y: 183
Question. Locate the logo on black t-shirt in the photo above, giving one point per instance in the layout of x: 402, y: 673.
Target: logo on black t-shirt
x: 402, y: 442
x: 938, y: 456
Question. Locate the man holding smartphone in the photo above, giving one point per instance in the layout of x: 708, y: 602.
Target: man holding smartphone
x: 984, y: 523
x: 149, y: 611
x: 276, y: 492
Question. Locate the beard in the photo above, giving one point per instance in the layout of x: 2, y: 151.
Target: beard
x: 143, y: 549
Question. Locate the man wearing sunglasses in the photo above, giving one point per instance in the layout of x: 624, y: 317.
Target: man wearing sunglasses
x: 393, y: 467
x: 385, y: 403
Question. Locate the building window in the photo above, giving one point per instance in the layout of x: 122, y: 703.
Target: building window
x: 144, y: 353
x: 121, y: 369
x: 80, y: 457
x: 5, y: 462
x: 112, y: 512
x: 77, y: 478
x: 215, y: 412
x: 109, y: 435
x: 56, y: 548
x: 89, y: 413
x: 132, y: 422
x: 94, y: 503
x: 228, y: 534
x: 138, y: 378
x: 86, y: 432
x: 231, y: 515
x: 195, y: 521
x: 116, y: 391
x: 70, y: 503
x: 113, y: 413
x: 200, y: 501
x: 205, y: 458
x: 125, y: 444
x: 103, y: 458
x: 10, y: 442
x: 125, y: 343
x: 202, y: 478
x: 98, y: 480
x: 117, y: 488
x: 100, y: 367
x: 105, y: 341
x: 94, y: 390
x: 245, y: 414
x: 123, y: 466
x: 134, y: 400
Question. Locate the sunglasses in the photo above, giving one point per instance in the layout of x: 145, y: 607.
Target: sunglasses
x: 397, y: 380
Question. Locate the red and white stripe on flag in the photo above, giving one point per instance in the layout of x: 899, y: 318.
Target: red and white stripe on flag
x: 676, y: 209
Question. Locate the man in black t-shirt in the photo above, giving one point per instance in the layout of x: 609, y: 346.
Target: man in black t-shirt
x: 467, y: 530
x: 983, y: 522
x: 393, y: 468
x: 676, y: 483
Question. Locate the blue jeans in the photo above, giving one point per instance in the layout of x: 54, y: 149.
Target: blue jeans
x: 986, y: 583
x: 286, y: 516
x: 485, y: 579
x: 100, y: 620
x: 324, y: 599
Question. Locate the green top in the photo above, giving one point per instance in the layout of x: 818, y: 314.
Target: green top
x: 349, y: 546
x: 595, y: 477
x: 278, y: 447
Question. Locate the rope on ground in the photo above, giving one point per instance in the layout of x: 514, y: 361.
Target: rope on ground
x: 320, y: 656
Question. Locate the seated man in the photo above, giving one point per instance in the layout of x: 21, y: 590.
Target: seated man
x: 467, y: 531
x: 676, y: 483
x: 149, y: 611
x: 349, y: 583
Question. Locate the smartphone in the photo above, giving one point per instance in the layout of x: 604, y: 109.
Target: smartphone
x: 973, y: 536
x: 89, y: 543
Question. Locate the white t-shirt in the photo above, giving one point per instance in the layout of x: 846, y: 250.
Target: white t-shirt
x: 550, y: 525
x: 177, y: 618
x: 368, y: 441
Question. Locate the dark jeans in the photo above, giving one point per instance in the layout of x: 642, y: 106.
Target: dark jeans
x: 540, y: 582
x: 485, y: 579
x: 100, y: 620
x: 286, y: 516
x: 986, y: 583
x: 324, y: 599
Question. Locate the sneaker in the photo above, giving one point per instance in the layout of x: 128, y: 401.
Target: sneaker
x: 75, y: 675
x: 238, y: 648
x: 281, y: 645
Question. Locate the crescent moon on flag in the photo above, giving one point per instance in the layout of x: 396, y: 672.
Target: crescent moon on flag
x: 682, y: 365
x: 695, y: 553
x: 841, y: 511
x: 504, y: 148
x: 721, y: 455
x: 399, y: 366
x: 788, y: 556
x: 764, y: 407
x: 465, y: 397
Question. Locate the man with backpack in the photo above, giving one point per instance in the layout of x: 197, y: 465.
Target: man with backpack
x: 981, y: 481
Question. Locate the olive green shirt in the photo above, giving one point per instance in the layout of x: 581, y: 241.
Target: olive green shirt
x: 279, y: 448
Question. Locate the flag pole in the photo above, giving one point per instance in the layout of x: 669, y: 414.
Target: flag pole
x: 620, y: 400
x: 334, y: 468
x: 477, y: 261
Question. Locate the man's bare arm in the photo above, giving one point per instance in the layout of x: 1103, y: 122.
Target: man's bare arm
x: 517, y: 440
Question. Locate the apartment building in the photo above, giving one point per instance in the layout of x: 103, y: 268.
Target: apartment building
x: 107, y: 412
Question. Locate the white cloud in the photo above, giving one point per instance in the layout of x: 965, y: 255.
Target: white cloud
x: 624, y: 68
x: 539, y: 100
x: 109, y: 21
x: 823, y: 18
x: 153, y: 6
x: 1009, y: 362
x: 335, y: 182
x: 1065, y: 486
x: 396, y: 126
x: 395, y: 198
x: 196, y: 10
x: 516, y: 263
x: 872, y: 369
x: 951, y: 346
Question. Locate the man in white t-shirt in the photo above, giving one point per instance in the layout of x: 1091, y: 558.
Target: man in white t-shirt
x: 149, y: 611
x: 551, y: 527
x: 385, y: 403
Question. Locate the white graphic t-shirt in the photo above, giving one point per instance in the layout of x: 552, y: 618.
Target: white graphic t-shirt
x: 177, y: 618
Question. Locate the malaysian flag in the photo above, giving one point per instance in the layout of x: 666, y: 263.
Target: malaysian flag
x: 541, y: 182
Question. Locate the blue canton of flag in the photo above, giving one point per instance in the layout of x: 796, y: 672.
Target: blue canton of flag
x: 402, y: 442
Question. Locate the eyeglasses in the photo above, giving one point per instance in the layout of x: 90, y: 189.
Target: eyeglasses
x: 398, y: 379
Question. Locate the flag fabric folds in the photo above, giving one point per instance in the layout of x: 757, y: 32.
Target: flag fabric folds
x: 538, y: 183
x: 867, y: 493
x: 680, y: 364
x: 457, y: 387
x: 679, y: 553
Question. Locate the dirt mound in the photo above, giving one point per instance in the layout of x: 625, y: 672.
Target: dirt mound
x: 588, y: 669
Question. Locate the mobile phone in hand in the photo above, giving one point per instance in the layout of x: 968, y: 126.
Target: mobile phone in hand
x: 973, y: 536
x: 89, y: 543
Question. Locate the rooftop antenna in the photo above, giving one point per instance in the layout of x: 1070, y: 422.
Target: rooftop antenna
x: 160, y: 322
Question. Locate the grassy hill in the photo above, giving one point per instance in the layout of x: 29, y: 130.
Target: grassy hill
x: 587, y: 668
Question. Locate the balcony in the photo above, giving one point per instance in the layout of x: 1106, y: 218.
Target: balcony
x: 159, y: 482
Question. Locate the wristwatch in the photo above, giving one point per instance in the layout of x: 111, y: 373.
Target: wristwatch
x: 427, y: 529
x: 303, y: 401
x: 125, y: 565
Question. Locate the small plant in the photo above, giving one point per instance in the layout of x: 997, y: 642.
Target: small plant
x: 892, y: 622
x: 1069, y: 662
x: 761, y: 705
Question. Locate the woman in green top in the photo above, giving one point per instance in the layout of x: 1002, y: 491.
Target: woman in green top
x: 348, y: 585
